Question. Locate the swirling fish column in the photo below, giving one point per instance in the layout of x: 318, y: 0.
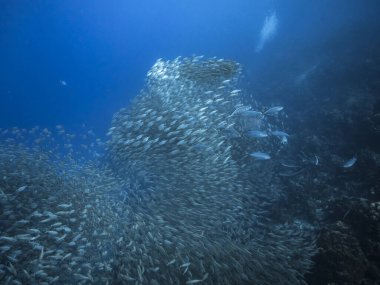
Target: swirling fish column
x: 196, y: 220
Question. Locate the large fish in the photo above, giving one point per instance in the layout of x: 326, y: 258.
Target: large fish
x: 268, y: 31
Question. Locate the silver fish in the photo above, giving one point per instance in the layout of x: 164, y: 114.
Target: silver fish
x: 193, y: 281
x: 279, y: 134
x: 290, y: 165
x: 257, y: 134
x: 251, y: 114
x: 273, y: 110
x: 260, y: 155
x: 349, y: 163
x: 21, y: 189
x: 240, y: 110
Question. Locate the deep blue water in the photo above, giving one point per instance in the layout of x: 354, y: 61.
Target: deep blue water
x: 103, y: 50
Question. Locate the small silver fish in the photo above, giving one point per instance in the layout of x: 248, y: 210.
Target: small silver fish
x: 65, y: 206
x: 252, y: 114
x: 257, y: 134
x: 316, y: 161
x: 41, y: 253
x: 235, y: 91
x: 260, y: 155
x: 273, y: 110
x: 170, y: 262
x: 240, y: 110
x: 8, y: 239
x: 21, y: 189
x: 5, y: 248
x: 279, y: 134
x: 290, y: 165
x: 194, y: 281
x: 350, y: 162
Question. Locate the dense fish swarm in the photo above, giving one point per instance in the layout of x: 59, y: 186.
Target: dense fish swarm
x: 58, y: 220
x: 184, y: 194
x: 203, y: 215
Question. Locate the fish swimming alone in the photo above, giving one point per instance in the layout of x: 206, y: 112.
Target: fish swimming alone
x: 268, y: 31
x: 350, y: 163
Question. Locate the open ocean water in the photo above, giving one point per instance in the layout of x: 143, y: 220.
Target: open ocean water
x: 190, y: 142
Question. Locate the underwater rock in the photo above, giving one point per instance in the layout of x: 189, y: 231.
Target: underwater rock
x: 349, y: 244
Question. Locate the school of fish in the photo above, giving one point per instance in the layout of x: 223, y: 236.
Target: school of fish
x: 183, y: 195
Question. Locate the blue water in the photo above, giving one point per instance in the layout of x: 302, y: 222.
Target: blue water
x: 103, y: 50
